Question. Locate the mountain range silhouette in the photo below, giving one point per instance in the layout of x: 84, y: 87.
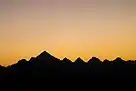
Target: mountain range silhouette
x: 46, y: 69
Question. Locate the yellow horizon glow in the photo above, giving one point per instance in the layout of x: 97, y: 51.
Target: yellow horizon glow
x: 67, y: 28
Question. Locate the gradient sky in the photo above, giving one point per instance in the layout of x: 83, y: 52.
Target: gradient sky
x: 67, y: 28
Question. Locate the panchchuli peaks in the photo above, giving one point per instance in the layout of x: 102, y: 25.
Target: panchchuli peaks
x: 46, y: 58
x: 45, y: 68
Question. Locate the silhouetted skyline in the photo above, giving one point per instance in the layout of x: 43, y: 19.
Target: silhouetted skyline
x: 40, y: 71
x: 45, y: 55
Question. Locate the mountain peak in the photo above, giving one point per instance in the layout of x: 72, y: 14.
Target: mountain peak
x: 118, y: 59
x: 46, y: 57
x: 44, y: 53
x: 79, y: 60
x: 94, y: 60
x: 106, y: 61
x: 22, y: 61
x: 66, y: 60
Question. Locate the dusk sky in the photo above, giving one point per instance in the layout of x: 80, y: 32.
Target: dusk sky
x: 67, y: 28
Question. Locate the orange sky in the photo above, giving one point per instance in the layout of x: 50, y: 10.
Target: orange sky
x: 67, y: 28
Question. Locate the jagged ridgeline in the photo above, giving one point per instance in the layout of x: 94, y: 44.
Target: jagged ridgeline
x: 46, y: 67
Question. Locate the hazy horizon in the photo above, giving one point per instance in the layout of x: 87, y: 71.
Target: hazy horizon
x: 67, y: 28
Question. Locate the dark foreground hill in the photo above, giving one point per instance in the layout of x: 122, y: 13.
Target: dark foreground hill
x: 46, y: 70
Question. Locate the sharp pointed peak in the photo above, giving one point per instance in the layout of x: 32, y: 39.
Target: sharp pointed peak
x: 65, y: 58
x: 46, y: 56
x: 79, y: 59
x: 44, y: 53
